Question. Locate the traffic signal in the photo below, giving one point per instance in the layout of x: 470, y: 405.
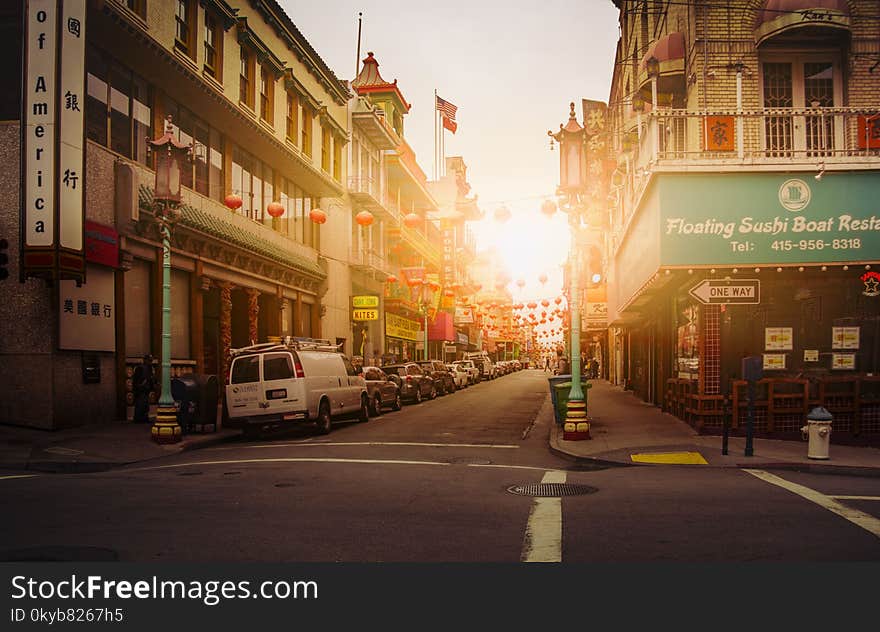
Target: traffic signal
x: 4, y: 260
x: 595, y: 271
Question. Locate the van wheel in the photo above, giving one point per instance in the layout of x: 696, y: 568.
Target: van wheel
x: 377, y: 406
x: 324, y: 422
x: 364, y: 415
x: 398, y: 404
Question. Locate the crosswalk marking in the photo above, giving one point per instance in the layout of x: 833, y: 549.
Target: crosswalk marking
x: 865, y: 521
x: 543, y: 538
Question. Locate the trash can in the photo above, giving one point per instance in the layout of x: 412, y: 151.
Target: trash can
x: 560, y: 386
x: 196, y: 396
x: 819, y: 430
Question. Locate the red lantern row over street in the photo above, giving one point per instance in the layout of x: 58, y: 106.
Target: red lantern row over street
x: 275, y: 209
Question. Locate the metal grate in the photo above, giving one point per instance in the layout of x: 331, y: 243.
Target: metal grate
x: 551, y: 490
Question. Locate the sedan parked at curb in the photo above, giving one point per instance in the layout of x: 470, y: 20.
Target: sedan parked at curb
x: 415, y: 385
x: 459, y: 375
x: 383, y: 392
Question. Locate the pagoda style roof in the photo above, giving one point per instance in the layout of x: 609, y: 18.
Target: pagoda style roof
x: 369, y: 81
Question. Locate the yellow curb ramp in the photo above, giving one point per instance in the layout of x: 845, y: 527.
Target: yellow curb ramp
x: 670, y: 458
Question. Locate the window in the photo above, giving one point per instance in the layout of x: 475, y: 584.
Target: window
x: 292, y: 112
x: 213, y: 47
x: 138, y: 6
x: 117, y: 107
x: 267, y: 95
x: 307, y: 122
x: 325, y: 148
x: 246, y: 370
x: 184, y: 18
x: 277, y: 366
x: 205, y: 173
x: 246, y: 78
x: 337, y: 159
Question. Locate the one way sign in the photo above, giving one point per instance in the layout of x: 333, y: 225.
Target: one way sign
x: 739, y: 291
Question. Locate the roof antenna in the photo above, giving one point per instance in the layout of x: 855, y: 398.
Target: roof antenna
x: 357, y: 65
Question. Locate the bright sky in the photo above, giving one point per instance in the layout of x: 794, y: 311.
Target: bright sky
x: 511, y: 68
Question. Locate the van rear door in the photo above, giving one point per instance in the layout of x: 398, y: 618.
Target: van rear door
x: 243, y: 393
x: 284, y: 394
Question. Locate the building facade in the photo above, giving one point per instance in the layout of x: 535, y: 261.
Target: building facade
x: 743, y: 219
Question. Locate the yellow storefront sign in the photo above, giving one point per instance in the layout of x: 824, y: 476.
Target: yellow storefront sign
x: 400, y: 327
x: 365, y: 301
x: 365, y: 314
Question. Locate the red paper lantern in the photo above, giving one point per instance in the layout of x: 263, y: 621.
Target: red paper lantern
x: 543, y: 279
x: 364, y: 218
x: 391, y: 279
x: 275, y: 209
x: 502, y: 214
x: 232, y: 201
x: 532, y: 305
x: 545, y: 302
x: 558, y: 300
x: 449, y: 293
x: 318, y: 216
x: 412, y: 220
x: 414, y: 282
x: 548, y: 208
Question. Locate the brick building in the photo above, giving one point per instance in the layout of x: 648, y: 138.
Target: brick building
x: 743, y: 215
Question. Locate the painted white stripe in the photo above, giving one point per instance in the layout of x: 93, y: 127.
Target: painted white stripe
x: 543, y: 539
x: 299, y: 444
x: 330, y: 460
x: 855, y: 497
x: 865, y: 521
x: 6, y: 478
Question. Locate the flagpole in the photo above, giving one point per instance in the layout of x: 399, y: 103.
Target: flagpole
x: 436, y: 174
x: 357, y: 65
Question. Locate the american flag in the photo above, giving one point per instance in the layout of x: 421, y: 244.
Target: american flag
x: 446, y: 108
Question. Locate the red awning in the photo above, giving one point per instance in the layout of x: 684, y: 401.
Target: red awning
x: 780, y: 16
x: 666, y: 48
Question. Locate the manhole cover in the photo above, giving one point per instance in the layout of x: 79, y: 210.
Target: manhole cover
x: 551, y: 490
x: 63, y: 451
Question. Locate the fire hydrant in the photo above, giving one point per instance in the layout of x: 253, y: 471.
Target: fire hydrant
x: 819, y: 429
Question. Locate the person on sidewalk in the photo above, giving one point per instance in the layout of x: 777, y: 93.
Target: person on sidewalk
x: 143, y: 383
x: 547, y: 363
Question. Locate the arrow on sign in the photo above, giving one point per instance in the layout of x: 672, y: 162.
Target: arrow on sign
x: 741, y: 291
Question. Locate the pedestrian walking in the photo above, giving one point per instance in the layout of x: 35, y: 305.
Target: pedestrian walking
x: 563, y: 366
x: 547, y: 363
x: 143, y: 383
x: 594, y: 368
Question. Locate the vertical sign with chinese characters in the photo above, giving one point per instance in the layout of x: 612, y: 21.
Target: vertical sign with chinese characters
x: 39, y: 96
x: 87, y: 321
x: 71, y: 154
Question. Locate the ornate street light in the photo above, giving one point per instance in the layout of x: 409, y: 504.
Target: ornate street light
x: 170, y: 153
x: 572, y: 189
x: 422, y: 292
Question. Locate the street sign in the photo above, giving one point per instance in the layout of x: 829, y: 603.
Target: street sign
x: 365, y: 314
x: 718, y: 292
x: 365, y: 301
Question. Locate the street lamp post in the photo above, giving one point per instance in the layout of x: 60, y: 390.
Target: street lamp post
x: 166, y: 199
x: 422, y: 293
x: 572, y: 188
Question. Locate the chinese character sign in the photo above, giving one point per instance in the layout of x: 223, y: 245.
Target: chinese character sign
x: 719, y: 133
x: 87, y: 319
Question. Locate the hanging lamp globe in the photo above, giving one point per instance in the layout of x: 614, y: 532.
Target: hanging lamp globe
x: 232, y: 201
x: 364, y: 218
x: 317, y: 216
x: 275, y: 209
x: 412, y: 220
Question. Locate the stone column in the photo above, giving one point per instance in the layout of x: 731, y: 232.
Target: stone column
x: 225, y: 329
x: 253, y: 314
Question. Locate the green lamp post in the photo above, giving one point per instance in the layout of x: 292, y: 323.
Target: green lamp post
x: 572, y: 192
x: 170, y: 155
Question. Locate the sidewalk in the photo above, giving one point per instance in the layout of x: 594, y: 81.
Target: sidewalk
x: 627, y: 431
x: 91, y: 448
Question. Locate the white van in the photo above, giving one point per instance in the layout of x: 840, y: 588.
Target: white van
x: 483, y: 362
x: 300, y: 380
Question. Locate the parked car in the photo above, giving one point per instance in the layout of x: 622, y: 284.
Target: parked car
x: 303, y: 379
x: 415, y: 385
x: 471, y: 368
x: 459, y: 375
x: 383, y: 392
x: 442, y: 377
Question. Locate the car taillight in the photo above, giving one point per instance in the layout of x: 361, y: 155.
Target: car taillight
x: 298, y: 368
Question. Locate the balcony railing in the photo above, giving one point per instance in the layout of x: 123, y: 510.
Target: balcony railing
x: 364, y: 186
x: 363, y: 258
x: 770, y: 136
